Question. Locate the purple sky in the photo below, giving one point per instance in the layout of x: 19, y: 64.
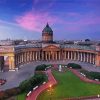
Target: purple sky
x: 69, y: 19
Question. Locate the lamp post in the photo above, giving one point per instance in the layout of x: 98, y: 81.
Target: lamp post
x: 50, y: 90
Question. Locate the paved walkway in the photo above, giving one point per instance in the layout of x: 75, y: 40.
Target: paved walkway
x: 15, y: 77
x: 51, y: 80
x: 83, y: 78
x: 27, y: 70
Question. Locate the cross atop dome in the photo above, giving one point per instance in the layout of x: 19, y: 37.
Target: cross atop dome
x: 47, y: 25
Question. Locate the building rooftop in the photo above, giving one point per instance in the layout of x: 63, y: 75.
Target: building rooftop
x: 78, y: 47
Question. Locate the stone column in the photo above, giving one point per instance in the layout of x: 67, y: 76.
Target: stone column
x: 59, y: 55
x: 36, y: 55
x: 68, y: 55
x: 56, y: 55
x: 78, y: 56
x: 81, y: 56
x: 87, y: 57
x: 25, y: 57
x: 71, y: 55
x: 33, y: 55
x: 90, y: 57
x: 64, y: 54
x: 93, y: 58
x: 97, y: 59
x: 29, y: 56
x: 74, y: 55
x: 52, y: 56
x: 18, y: 59
x: 49, y: 55
x: 45, y: 55
x: 42, y: 55
x: 11, y: 62
x: 22, y: 58
x: 15, y: 60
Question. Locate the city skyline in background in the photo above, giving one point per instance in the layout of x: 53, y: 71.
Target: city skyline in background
x: 69, y: 19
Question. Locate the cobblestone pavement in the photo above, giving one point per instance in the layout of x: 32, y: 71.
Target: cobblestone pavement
x: 14, y: 78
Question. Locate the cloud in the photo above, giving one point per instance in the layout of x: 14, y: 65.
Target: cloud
x: 73, y: 21
x: 76, y: 22
x: 13, y: 31
x: 34, y: 21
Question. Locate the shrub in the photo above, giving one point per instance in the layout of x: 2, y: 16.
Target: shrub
x: 74, y: 66
x: 91, y: 75
x: 28, y: 85
x: 41, y: 67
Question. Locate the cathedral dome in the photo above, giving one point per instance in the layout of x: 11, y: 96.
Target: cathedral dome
x: 47, y: 30
x: 47, y: 34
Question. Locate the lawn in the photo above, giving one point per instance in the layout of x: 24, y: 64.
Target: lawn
x: 69, y: 85
x: 21, y: 96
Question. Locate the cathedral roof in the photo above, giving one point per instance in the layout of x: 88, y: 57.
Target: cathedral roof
x: 47, y: 29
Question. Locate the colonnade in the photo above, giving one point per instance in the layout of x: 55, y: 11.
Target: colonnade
x: 80, y: 56
x: 29, y: 56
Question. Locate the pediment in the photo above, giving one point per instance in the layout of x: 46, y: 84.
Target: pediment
x: 51, y: 47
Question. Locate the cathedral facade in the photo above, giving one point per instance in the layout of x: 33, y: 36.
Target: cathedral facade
x: 49, y: 50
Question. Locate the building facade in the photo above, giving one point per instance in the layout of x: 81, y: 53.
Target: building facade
x: 48, y: 50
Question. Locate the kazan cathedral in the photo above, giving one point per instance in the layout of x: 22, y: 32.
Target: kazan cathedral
x: 49, y: 50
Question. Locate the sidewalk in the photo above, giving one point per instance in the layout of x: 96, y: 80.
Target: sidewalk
x: 83, y: 78
x: 51, y: 80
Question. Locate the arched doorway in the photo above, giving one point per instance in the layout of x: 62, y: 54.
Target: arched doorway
x: 1, y: 63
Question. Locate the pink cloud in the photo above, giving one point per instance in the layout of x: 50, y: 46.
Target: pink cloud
x: 35, y: 21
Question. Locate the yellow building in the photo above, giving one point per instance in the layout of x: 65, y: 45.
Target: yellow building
x: 48, y: 50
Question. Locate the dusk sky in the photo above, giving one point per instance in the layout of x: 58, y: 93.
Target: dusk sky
x: 69, y: 19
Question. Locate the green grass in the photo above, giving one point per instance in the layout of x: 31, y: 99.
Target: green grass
x: 21, y: 96
x: 69, y: 85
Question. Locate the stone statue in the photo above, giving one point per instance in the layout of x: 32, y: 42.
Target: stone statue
x: 60, y: 68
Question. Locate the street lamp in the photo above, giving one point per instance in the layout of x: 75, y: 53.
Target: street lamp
x: 50, y: 85
x: 50, y: 90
